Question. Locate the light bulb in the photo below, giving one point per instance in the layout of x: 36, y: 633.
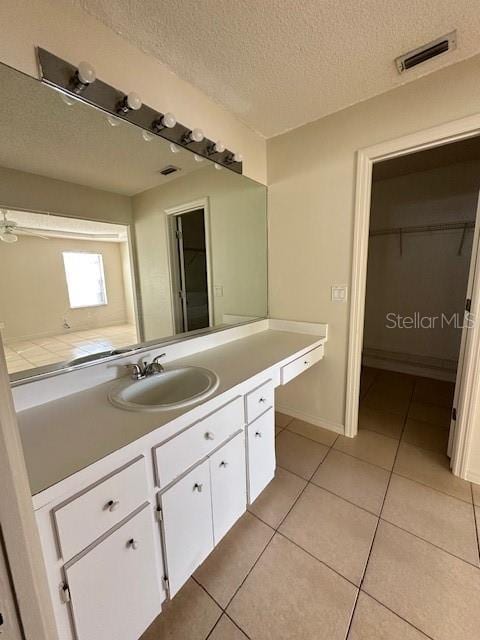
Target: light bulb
x: 169, y: 120
x: 9, y: 237
x: 147, y: 136
x: 134, y: 101
x: 219, y: 147
x: 86, y: 73
x: 197, y: 135
x: 174, y: 148
x: 218, y: 167
x: 237, y: 157
x: 113, y: 121
x: 198, y: 158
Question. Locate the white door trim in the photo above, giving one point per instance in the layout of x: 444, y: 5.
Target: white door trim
x: 421, y: 140
x: 201, y: 203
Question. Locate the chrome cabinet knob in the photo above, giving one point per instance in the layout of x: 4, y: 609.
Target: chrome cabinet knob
x: 209, y: 436
x: 112, y: 505
x: 133, y: 544
x: 224, y: 464
x: 306, y: 362
x: 262, y: 400
x: 198, y: 487
x: 258, y: 434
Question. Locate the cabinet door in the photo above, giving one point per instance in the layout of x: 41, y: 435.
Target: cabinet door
x: 115, y: 588
x: 229, y: 485
x: 187, y: 525
x: 261, y: 453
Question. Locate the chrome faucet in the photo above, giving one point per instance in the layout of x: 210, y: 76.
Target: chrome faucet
x: 139, y: 371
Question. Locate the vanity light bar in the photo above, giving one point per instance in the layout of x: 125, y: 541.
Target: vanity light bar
x: 64, y: 77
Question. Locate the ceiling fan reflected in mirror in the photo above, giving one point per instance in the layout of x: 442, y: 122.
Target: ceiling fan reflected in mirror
x: 10, y: 230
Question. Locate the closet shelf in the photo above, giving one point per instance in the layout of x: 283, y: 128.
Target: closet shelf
x: 452, y: 226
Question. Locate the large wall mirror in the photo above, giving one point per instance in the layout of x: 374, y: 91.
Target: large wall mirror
x: 111, y: 237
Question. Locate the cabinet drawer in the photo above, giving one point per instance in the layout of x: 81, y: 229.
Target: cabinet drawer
x: 115, y: 590
x: 259, y: 400
x: 87, y: 516
x: 261, y: 454
x: 297, y: 366
x: 229, y: 485
x: 187, y: 525
x: 181, y: 452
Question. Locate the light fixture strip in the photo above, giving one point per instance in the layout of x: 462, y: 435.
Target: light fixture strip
x: 61, y: 75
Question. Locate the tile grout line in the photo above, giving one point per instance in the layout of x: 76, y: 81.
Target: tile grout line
x: 379, y: 517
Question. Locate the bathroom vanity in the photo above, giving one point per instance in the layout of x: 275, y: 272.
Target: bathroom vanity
x: 130, y: 503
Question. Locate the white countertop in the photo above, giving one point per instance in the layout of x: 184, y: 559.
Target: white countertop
x: 66, y: 435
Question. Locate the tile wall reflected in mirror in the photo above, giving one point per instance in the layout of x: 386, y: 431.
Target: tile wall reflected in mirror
x: 110, y: 238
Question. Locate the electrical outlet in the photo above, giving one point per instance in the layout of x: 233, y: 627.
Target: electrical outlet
x: 218, y: 290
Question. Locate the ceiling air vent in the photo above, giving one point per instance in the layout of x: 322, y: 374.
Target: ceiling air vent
x: 166, y: 171
x: 426, y: 52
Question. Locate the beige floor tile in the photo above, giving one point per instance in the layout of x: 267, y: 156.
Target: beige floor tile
x: 394, y: 380
x: 431, y: 391
x: 369, y: 446
x: 227, y: 566
x: 22, y: 365
x: 189, y: 616
x: 476, y: 493
x: 282, y: 420
x: 445, y: 521
x: 425, y: 435
x: 436, y: 592
x: 290, y: 595
x: 278, y: 430
x: 432, y: 469
x: 388, y: 424
x: 430, y: 413
x: 367, y: 378
x: 226, y: 630
x: 353, y: 479
x: 273, y: 504
x: 298, y: 454
x: 333, y: 530
x: 372, y: 621
x: 324, y: 436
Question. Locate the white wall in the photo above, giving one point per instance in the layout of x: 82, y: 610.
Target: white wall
x: 311, y: 198
x: 238, y: 245
x: 74, y: 35
x: 429, y: 277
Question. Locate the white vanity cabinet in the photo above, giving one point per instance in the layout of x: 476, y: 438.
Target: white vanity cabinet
x: 187, y: 525
x: 114, y: 588
x: 199, y: 509
x: 261, y: 453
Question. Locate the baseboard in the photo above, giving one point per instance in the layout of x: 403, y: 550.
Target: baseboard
x: 307, y: 417
x: 408, y: 366
x: 473, y: 476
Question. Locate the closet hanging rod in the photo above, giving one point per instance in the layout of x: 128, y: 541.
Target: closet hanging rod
x: 467, y: 224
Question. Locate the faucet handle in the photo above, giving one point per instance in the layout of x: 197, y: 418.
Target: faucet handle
x: 157, y: 358
x: 137, y: 371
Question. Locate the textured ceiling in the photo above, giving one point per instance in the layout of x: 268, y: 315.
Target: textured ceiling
x: 40, y: 134
x: 278, y: 64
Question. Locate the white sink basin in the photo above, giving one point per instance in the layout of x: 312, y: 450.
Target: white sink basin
x: 174, y: 388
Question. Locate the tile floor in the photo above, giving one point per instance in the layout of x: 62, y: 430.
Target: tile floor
x: 23, y: 355
x: 365, y: 539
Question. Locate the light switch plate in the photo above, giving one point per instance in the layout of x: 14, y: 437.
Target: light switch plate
x: 218, y: 291
x: 339, y: 293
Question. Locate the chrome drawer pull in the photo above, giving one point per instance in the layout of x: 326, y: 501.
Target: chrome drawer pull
x: 209, y: 436
x: 133, y: 544
x: 112, y: 505
x: 224, y: 464
x: 198, y: 487
x: 258, y: 434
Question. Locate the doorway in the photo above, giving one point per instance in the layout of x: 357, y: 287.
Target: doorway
x: 190, y: 267
x: 460, y: 379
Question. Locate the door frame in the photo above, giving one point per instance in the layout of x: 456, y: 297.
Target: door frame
x: 470, y: 386
x: 170, y: 214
